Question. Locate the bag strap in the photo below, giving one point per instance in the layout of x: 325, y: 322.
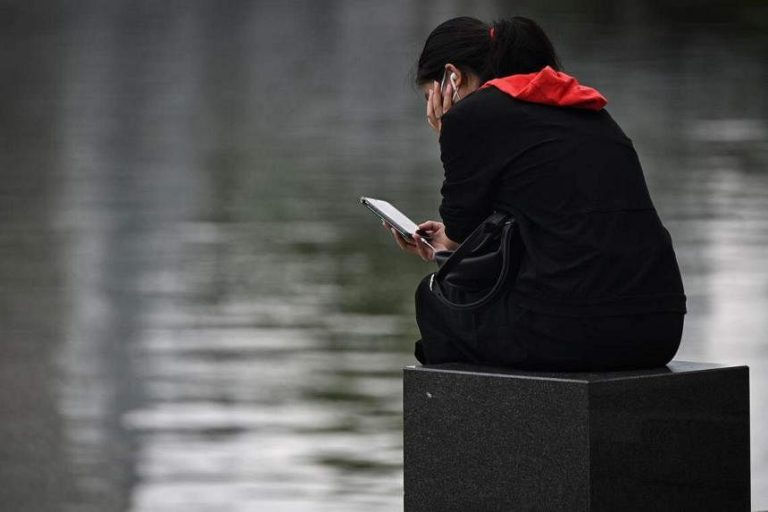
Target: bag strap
x: 490, y: 224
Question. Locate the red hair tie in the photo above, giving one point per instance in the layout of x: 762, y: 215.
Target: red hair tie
x: 492, y: 32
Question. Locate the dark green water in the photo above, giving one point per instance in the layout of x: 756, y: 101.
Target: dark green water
x: 196, y: 315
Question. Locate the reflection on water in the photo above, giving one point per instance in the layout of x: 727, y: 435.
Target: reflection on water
x: 195, y: 313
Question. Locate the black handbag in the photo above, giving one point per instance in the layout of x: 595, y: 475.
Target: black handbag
x: 476, y: 273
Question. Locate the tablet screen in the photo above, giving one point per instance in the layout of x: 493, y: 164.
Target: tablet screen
x: 390, y: 214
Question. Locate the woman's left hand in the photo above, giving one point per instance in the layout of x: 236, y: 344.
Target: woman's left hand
x: 438, y: 104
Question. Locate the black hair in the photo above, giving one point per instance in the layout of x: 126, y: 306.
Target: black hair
x: 505, y: 47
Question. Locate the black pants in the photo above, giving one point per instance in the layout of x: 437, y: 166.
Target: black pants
x: 524, y: 339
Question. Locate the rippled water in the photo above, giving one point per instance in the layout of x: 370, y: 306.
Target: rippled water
x: 195, y: 313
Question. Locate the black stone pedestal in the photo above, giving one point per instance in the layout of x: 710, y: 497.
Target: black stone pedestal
x: 481, y: 439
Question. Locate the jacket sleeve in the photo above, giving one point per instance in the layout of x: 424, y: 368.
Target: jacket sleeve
x: 468, y: 183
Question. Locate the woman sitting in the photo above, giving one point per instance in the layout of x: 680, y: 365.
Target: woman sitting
x: 597, y: 286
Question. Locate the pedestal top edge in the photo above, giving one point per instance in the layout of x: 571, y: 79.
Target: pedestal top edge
x: 673, y: 369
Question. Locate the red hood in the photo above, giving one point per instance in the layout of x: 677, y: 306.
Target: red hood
x: 549, y: 87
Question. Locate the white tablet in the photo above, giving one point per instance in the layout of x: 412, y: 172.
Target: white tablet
x: 391, y: 215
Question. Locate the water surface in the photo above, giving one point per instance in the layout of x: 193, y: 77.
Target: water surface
x: 195, y: 313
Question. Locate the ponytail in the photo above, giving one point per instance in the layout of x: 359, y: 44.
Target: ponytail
x: 505, y: 47
x: 518, y: 46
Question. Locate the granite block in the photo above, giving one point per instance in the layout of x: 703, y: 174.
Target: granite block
x: 479, y: 438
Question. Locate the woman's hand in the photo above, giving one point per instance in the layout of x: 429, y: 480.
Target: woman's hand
x: 434, y: 230
x: 438, y: 104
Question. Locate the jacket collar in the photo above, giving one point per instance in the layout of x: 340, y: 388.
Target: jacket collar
x: 549, y: 87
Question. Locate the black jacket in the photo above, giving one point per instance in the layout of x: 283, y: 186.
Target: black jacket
x: 593, y: 242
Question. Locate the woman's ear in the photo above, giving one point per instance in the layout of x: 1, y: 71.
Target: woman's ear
x: 459, y: 77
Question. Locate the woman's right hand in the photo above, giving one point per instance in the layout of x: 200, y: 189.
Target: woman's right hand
x: 435, y: 232
x: 436, y: 236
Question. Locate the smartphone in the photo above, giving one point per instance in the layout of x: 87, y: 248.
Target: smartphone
x: 394, y: 217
